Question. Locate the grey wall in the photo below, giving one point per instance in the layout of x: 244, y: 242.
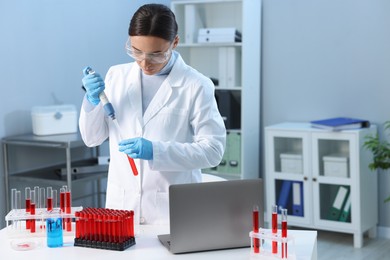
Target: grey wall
x: 45, y: 44
x: 327, y: 58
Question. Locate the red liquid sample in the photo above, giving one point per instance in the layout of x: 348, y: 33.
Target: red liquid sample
x: 133, y: 166
x: 274, y: 231
x: 256, y: 241
x: 284, y: 234
x: 49, y: 203
x: 32, y: 223
x: 68, y: 210
x: 28, y: 203
x: 62, y: 201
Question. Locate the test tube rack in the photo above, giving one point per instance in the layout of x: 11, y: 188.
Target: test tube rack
x: 266, y: 238
x: 16, y: 221
x: 105, y: 229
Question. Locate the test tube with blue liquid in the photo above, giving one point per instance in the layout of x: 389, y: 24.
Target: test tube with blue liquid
x: 54, y: 231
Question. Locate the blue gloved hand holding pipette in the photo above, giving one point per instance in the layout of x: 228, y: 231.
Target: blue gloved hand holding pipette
x: 94, y: 85
x: 137, y: 148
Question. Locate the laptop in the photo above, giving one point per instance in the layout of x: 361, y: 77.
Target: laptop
x: 212, y: 215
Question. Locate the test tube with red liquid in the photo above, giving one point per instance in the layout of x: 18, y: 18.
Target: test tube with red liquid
x: 284, y: 233
x: 49, y: 198
x: 256, y: 241
x: 62, y: 203
x: 274, y: 228
x: 32, y: 210
x: 27, y: 196
x: 68, y: 209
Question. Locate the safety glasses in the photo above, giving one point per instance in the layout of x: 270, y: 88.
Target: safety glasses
x: 156, y: 57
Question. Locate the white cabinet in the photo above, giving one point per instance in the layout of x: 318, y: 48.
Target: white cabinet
x: 322, y: 178
x: 233, y: 63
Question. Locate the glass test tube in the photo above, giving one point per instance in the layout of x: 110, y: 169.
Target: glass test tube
x: 49, y: 198
x: 36, y: 197
x: 32, y: 211
x: 18, y: 204
x: 55, y: 197
x: 42, y: 198
x: 62, y: 199
x: 274, y: 228
x: 255, y: 217
x: 27, y: 195
x: 13, y: 199
x: 284, y: 232
x: 68, y: 209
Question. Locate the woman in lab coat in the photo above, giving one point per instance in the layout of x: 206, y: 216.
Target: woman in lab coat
x: 167, y: 114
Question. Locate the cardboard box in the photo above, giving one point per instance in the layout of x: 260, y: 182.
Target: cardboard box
x: 291, y: 163
x: 335, y: 165
x: 52, y: 120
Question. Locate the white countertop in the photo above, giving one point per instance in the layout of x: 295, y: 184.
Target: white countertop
x: 148, y: 247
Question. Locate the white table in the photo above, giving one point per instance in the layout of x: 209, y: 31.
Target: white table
x: 148, y: 247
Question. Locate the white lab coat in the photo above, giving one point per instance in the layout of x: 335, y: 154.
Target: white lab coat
x: 183, y: 123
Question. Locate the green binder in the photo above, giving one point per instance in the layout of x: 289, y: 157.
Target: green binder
x: 338, y: 203
x: 345, y: 213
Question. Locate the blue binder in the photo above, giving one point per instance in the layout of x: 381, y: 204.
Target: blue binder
x: 297, y: 200
x: 284, y: 194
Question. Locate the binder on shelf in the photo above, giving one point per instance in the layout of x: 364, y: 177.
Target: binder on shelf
x: 218, y: 35
x: 192, y: 23
x: 338, y: 203
x: 234, y: 146
x: 284, y: 194
x: 345, y: 213
x: 340, y: 123
x: 229, y: 65
x: 230, y: 108
x: 297, y: 200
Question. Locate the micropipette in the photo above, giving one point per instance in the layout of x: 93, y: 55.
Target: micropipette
x: 109, y: 109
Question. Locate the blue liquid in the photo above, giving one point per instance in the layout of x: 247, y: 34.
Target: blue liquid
x: 54, y: 232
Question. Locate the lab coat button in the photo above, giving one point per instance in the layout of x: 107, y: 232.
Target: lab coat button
x: 142, y: 220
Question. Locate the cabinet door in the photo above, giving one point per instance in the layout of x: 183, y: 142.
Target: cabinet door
x: 335, y: 170
x: 287, y: 172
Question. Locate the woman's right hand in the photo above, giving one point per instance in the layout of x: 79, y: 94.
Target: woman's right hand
x: 94, y: 85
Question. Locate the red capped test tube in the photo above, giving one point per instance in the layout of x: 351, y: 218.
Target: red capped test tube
x: 256, y: 241
x: 274, y: 228
x: 284, y: 233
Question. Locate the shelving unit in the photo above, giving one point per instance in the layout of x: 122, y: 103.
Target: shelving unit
x: 235, y: 69
x: 313, y: 173
x: 43, y: 172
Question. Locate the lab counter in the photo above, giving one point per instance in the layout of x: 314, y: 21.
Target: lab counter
x: 149, y: 247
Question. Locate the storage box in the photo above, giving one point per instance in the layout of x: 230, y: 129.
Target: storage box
x: 51, y: 120
x: 291, y: 163
x: 335, y: 165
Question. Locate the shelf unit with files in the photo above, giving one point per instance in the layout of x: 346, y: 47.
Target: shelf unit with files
x: 322, y: 177
x: 233, y: 64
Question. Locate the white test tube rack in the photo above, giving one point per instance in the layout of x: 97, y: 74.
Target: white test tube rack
x: 16, y: 222
x: 266, y: 238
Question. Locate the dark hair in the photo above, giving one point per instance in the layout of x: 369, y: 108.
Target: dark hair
x: 154, y: 20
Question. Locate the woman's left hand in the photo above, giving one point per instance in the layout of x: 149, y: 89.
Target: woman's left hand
x: 137, y: 148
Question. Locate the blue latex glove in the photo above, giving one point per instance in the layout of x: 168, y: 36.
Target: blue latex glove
x: 137, y: 148
x: 94, y: 85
